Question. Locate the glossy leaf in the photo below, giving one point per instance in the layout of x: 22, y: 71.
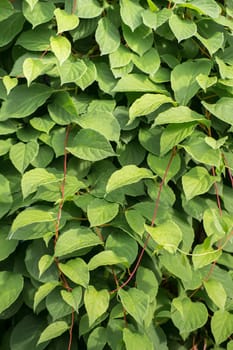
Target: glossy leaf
x: 76, y: 270
x: 65, y: 21
x: 107, y: 257
x: 96, y: 303
x: 61, y: 48
x: 52, y: 331
x: 43, y: 291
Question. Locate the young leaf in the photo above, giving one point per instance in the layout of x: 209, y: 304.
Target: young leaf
x: 107, y: 36
x: 221, y: 325
x: 42, y: 12
x: 53, y: 330
x: 133, y: 8
x: 182, y: 28
x: 222, y: 109
x: 61, y: 48
x: 76, y: 270
x: 179, y: 115
x: 9, y: 83
x: 65, y: 22
x: 107, y: 257
x: 99, y: 211
x: 216, y: 292
x: 21, y: 154
x: 149, y: 62
x: 96, y: 303
x: 136, y: 341
x: 43, y: 291
x: 204, y: 254
x: 33, y: 67
x: 129, y: 174
x: 11, y: 285
x: 73, y: 298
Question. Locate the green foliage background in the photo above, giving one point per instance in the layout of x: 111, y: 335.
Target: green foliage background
x: 116, y: 162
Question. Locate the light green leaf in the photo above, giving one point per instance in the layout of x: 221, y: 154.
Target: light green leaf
x: 204, y: 254
x: 207, y: 7
x: 89, y: 75
x: 222, y: 109
x: 139, y: 40
x: 9, y: 83
x: 197, y: 181
x: 7, y: 246
x: 200, y: 151
x: 135, y: 302
x: 122, y: 245
x: 61, y: 48
x: 181, y: 115
x: 96, y: 303
x: 183, y: 79
x: 17, y: 106
x: 215, y: 144
x: 97, y: 339
x: 99, y: 211
x: 155, y: 20
x: 32, y: 3
x: 205, y: 82
x: 174, y: 134
x: 225, y: 70
x: 76, y: 239
x: 214, y: 224
x: 30, y: 218
x: 189, y: 316
x: 42, y: 12
x: 107, y: 257
x: 34, y: 178
x: 216, y: 292
x: 65, y: 22
x: 5, y: 146
x: 73, y: 298
x: 214, y: 43
x: 137, y: 82
x: 107, y: 36
x: 133, y: 8
x: 121, y: 57
x: 44, y: 263
x: 182, y: 28
x: 168, y: 235
x: 43, y: 291
x: 221, y: 325
x: 127, y: 175
x: 11, y: 285
x: 53, y: 330
x: 90, y: 145
x: 149, y: 62
x: 6, y: 199
x: 76, y: 270
x: 71, y: 71
x: 88, y: 8
x: 44, y: 123
x: 147, y: 103
x: 62, y: 110
x: 159, y: 165
x: 21, y: 154
x: 136, y: 341
x: 10, y: 27
x: 147, y: 282
x: 33, y: 67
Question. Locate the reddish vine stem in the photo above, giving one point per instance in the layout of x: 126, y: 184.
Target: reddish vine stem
x: 71, y: 330
x: 228, y: 169
x: 152, y: 224
x: 217, y: 193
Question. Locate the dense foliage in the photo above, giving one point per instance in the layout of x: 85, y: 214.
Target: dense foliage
x: 116, y: 161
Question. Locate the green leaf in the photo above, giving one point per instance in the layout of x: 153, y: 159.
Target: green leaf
x: 137, y: 82
x: 207, y: 7
x: 107, y: 36
x: 149, y: 62
x: 222, y: 109
x: 181, y: 115
x: 73, y: 298
x: 65, y: 22
x: 182, y: 28
x: 34, y: 178
x: 205, y: 82
x: 76, y: 270
x: 26, y: 224
x: 36, y: 39
x: 136, y: 341
x: 44, y: 263
x: 146, y: 104
x: 52, y: 331
x: 147, y: 282
x: 11, y: 285
x: 122, y: 245
x: 97, y: 339
x: 188, y: 316
x: 9, y: 83
x: 140, y: 40
x: 168, y: 235
x: 88, y: 8
x: 127, y: 175
x: 183, y: 79
x: 214, y: 43
x: 7, y: 247
x: 32, y: 326
x: 135, y: 302
x: 131, y: 153
x: 21, y: 154
x: 174, y: 134
x: 6, y: 199
x: 33, y: 67
x: 107, y: 257
x: 203, y: 254
x: 75, y: 239
x: 71, y: 71
x: 214, y: 224
x: 6, y: 9
x: 18, y: 106
x: 133, y: 8
x: 216, y: 292
x: 90, y: 145
x: 121, y: 57
x: 159, y: 165
x: 89, y: 75
x: 32, y: 3
x: 43, y: 291
x: 42, y: 12
x: 96, y: 303
x: 197, y: 181
x: 221, y: 325
x: 62, y: 110
x: 99, y: 211
x: 61, y: 48
x: 10, y: 27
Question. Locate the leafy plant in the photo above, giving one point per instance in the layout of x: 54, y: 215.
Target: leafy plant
x: 116, y: 174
